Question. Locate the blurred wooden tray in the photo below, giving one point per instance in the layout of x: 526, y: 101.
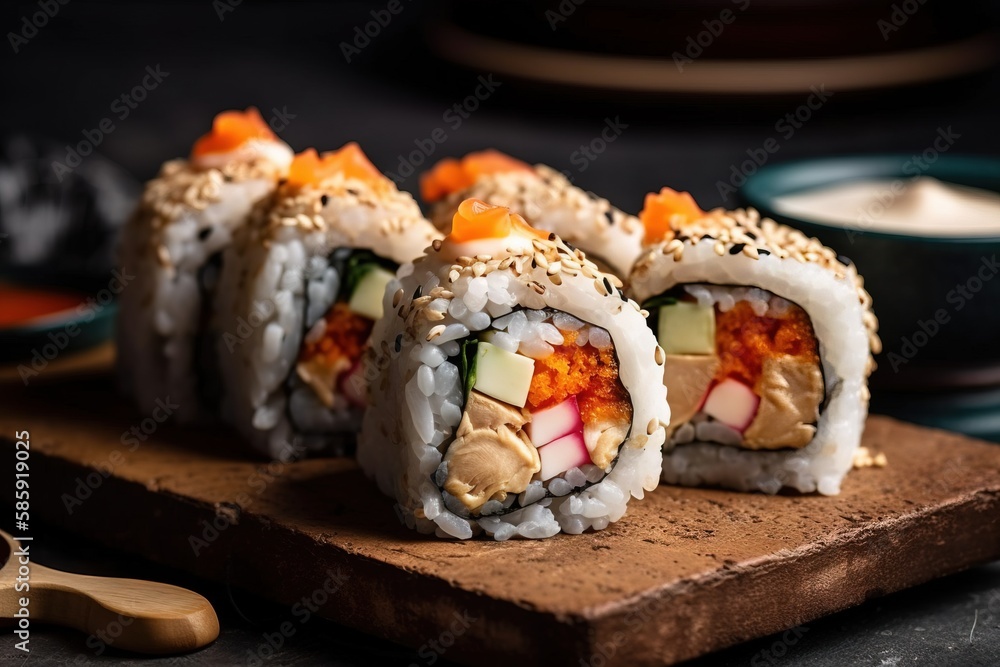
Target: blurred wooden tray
x: 686, y: 572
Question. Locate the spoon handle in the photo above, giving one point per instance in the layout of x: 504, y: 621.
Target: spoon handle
x: 141, y: 616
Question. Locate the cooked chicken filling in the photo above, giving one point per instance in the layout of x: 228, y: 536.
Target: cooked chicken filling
x: 491, y: 455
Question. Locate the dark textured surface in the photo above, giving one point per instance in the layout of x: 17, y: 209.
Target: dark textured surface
x: 685, y: 572
x: 928, y: 624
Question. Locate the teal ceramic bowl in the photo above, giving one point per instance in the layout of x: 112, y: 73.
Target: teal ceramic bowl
x: 937, y: 298
x: 33, y: 345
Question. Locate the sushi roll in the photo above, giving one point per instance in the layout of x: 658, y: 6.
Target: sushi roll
x: 173, y: 245
x: 515, y: 390
x: 300, y: 291
x: 769, y: 338
x: 543, y: 196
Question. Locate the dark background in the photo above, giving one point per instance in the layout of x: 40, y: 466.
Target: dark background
x: 287, y: 59
x: 287, y: 56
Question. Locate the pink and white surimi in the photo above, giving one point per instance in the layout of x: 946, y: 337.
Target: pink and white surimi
x: 554, y: 422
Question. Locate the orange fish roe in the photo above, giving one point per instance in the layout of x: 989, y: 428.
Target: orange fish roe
x: 475, y: 220
x: 345, y: 337
x: 666, y: 208
x: 310, y: 167
x: 744, y: 340
x: 232, y: 129
x: 589, y: 373
x: 451, y: 175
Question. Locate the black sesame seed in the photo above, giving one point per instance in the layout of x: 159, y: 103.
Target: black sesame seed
x: 737, y: 249
x: 607, y: 285
x: 205, y: 233
x: 843, y: 259
x: 399, y: 342
x: 552, y: 236
x: 761, y: 251
x: 708, y: 237
x: 752, y: 235
x: 416, y: 293
x: 610, y: 216
x: 324, y: 200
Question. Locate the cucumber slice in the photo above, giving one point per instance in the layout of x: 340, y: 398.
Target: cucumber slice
x: 366, y: 299
x: 687, y: 328
x: 504, y: 375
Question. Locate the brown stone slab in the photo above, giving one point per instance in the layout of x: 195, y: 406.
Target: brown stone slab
x: 686, y: 572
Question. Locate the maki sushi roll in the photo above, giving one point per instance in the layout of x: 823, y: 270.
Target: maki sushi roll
x: 769, y: 338
x: 540, y: 194
x: 300, y: 291
x: 173, y: 246
x: 515, y: 389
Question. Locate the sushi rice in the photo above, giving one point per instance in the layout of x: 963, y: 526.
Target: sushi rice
x: 724, y: 258
x: 173, y: 243
x: 544, y: 197
x: 525, y: 295
x: 282, y: 278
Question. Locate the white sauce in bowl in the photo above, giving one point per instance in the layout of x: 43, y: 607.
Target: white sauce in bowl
x: 921, y: 206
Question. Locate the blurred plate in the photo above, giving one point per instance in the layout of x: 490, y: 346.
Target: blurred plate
x: 84, y: 323
x: 707, y: 76
x: 909, y: 276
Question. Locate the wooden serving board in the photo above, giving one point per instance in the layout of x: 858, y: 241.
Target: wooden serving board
x: 686, y: 572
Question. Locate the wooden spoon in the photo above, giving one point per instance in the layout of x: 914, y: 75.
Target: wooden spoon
x: 141, y: 616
